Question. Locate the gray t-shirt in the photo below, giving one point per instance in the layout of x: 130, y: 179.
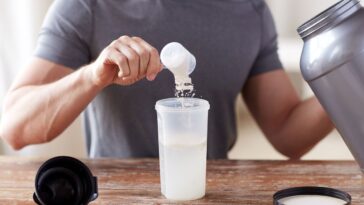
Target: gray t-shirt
x: 231, y: 39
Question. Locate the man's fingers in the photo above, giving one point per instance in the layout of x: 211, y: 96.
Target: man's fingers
x: 136, y: 59
x: 117, y: 58
x: 125, y: 39
x: 144, y: 56
x: 138, y: 46
x: 133, y: 59
x: 154, y: 65
x: 123, y: 81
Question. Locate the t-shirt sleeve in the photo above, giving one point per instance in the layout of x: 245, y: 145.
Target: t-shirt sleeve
x: 267, y: 59
x: 66, y: 33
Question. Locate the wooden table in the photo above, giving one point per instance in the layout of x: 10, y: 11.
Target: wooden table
x: 228, y: 182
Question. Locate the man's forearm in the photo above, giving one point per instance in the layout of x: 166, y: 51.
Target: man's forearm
x: 37, y: 114
x: 306, y: 125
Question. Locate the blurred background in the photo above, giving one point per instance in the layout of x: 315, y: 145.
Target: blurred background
x: 20, y: 22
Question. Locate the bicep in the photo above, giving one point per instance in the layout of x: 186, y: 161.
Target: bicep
x: 39, y: 71
x: 270, y: 98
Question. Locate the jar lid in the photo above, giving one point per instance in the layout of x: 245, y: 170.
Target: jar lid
x: 64, y: 180
x: 311, y: 195
x: 328, y: 16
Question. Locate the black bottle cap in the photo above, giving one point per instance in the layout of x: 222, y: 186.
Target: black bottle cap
x: 64, y: 180
x: 311, y: 191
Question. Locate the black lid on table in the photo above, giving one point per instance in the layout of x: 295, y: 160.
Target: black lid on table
x: 311, y: 190
x: 64, y: 180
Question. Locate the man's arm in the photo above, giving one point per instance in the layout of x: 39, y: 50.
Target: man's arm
x: 292, y: 126
x: 47, y: 97
x: 43, y: 101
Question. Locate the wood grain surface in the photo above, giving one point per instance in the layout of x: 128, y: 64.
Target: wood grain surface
x: 136, y: 181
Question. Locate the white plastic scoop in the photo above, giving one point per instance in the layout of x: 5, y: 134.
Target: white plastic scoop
x: 180, y: 62
x: 178, y: 59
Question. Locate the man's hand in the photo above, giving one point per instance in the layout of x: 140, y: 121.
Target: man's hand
x: 126, y: 61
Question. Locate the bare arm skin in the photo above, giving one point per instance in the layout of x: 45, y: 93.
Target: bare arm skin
x: 47, y: 97
x: 292, y: 126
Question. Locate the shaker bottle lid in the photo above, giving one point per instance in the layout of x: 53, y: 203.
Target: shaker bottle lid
x: 64, y: 180
x: 326, y: 17
x: 311, y: 195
